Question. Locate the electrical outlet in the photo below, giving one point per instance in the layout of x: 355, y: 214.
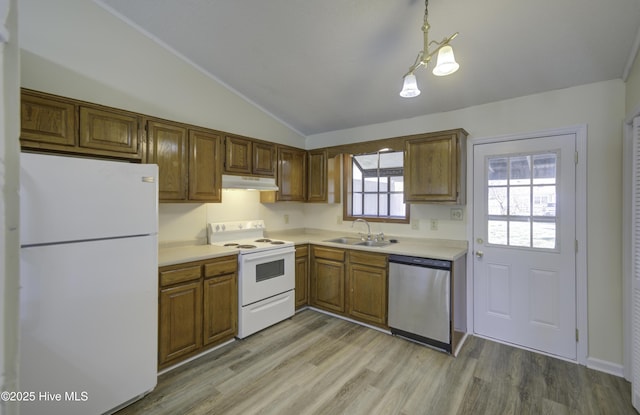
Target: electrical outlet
x: 415, y: 224
x: 286, y: 219
x: 456, y: 213
x: 434, y: 224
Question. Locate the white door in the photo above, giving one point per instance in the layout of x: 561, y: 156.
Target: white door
x: 524, y: 243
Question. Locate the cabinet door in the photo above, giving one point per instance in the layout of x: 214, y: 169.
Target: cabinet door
x: 180, y: 330
x: 205, y: 166
x: 264, y: 155
x: 317, y: 176
x: 431, y: 169
x: 168, y: 149
x: 291, y: 174
x: 368, y: 293
x: 302, y: 276
x: 47, y: 121
x: 114, y: 132
x: 220, y: 308
x: 327, y: 285
x: 237, y: 155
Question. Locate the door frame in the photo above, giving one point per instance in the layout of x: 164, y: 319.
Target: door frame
x: 580, y: 132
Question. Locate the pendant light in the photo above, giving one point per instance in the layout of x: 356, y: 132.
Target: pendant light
x: 446, y: 63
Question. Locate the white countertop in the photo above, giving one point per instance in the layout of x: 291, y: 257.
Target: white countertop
x: 447, y: 249
x: 186, y: 253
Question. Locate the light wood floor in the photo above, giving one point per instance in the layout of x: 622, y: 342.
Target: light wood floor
x: 318, y: 364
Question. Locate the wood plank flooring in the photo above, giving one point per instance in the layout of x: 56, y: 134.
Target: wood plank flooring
x: 318, y: 364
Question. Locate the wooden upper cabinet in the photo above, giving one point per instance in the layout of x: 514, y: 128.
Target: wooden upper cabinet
x: 167, y: 147
x: 246, y: 156
x: 57, y: 124
x: 238, y: 158
x: 110, y: 130
x: 434, y: 168
x: 205, y: 166
x: 47, y: 122
x: 264, y: 159
x: 317, y: 176
x: 291, y: 176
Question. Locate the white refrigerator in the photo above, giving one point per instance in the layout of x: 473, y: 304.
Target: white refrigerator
x: 88, y: 276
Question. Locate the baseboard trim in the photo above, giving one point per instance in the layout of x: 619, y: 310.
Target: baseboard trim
x: 614, y: 369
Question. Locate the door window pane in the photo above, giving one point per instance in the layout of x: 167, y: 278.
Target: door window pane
x: 544, y: 168
x: 497, y: 172
x: 497, y: 201
x: 544, y: 235
x: 519, y: 170
x: 497, y: 232
x: 519, y: 233
x: 521, y: 200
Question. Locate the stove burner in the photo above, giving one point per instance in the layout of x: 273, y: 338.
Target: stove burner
x: 231, y: 244
x: 277, y: 242
x: 263, y: 240
x: 246, y: 246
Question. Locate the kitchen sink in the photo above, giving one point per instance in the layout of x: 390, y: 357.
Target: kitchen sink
x: 373, y: 243
x: 348, y: 240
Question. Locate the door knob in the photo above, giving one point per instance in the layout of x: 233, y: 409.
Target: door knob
x: 479, y: 254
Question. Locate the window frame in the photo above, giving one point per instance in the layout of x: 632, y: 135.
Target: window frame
x: 347, y: 206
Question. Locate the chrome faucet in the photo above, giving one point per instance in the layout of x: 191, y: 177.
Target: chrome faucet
x: 368, y: 227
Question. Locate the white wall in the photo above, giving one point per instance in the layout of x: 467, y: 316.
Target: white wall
x: 186, y: 222
x: 9, y: 207
x: 633, y: 85
x: 76, y: 48
x: 601, y: 106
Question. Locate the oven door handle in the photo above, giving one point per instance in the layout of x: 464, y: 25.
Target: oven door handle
x: 267, y: 254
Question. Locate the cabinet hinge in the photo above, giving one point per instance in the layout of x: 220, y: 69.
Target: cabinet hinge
x: 576, y: 157
x: 577, y: 335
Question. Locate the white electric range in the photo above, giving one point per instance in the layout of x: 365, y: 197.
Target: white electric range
x: 266, y: 273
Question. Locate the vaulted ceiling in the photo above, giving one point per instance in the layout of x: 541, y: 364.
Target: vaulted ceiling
x: 327, y: 65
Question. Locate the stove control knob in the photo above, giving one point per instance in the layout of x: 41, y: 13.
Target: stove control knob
x: 224, y: 227
x: 217, y: 228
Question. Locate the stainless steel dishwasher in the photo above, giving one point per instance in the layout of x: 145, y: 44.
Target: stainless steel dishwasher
x: 420, y: 300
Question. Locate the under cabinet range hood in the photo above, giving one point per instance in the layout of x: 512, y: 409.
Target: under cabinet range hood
x: 248, y: 182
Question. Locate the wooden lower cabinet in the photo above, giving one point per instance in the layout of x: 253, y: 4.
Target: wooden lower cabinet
x: 302, y: 275
x: 180, y: 328
x: 328, y: 278
x: 367, y: 275
x: 352, y: 283
x: 220, y: 320
x: 197, y: 307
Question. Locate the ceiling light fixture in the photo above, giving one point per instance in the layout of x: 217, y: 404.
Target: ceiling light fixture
x: 446, y: 64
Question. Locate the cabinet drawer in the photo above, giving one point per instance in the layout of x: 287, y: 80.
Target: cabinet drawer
x: 328, y: 253
x: 222, y: 266
x: 175, y: 276
x: 366, y: 258
x: 302, y: 251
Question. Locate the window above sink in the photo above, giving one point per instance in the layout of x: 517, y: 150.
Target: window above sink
x: 374, y: 187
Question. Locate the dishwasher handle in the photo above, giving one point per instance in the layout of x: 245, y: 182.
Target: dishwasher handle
x: 420, y: 262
